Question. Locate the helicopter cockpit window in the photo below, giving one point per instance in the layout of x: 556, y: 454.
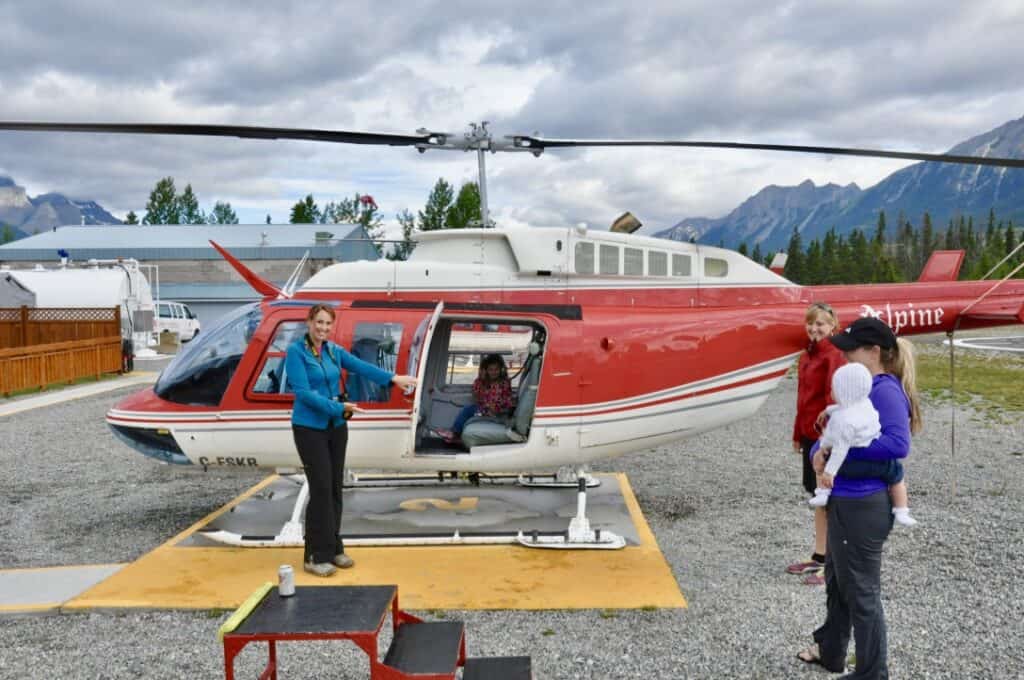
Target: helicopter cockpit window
x: 271, y: 379
x: 657, y: 263
x: 200, y: 374
x: 584, y: 258
x: 633, y: 262
x: 681, y: 265
x: 375, y: 343
x: 609, y: 263
x: 715, y: 266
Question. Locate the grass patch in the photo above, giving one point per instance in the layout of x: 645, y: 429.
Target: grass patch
x: 547, y: 632
x: 608, y: 614
x: 987, y: 383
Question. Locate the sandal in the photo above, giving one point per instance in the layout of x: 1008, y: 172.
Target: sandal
x: 810, y: 655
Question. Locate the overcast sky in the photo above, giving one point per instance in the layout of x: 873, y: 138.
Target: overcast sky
x: 914, y: 75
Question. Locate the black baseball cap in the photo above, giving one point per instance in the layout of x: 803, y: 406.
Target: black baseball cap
x: 865, y: 332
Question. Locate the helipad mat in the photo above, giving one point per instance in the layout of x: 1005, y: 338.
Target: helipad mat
x: 183, y: 574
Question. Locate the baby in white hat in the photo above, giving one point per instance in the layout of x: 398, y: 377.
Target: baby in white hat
x: 853, y: 422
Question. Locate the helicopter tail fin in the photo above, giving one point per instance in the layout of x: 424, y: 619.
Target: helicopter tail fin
x: 943, y: 265
x: 261, y: 286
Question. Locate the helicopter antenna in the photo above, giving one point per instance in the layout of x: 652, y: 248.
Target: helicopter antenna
x: 288, y: 289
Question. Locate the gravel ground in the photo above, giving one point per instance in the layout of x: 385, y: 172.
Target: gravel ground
x: 727, y: 510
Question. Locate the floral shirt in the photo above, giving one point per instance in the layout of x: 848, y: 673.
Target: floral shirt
x: 492, y: 399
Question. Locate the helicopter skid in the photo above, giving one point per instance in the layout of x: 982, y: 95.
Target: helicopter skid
x: 591, y: 540
x: 565, y: 478
x: 596, y: 540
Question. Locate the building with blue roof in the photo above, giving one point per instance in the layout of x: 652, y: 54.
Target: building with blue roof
x: 185, y: 268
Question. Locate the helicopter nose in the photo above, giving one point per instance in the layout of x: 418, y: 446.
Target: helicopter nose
x: 148, y: 439
x: 156, y: 443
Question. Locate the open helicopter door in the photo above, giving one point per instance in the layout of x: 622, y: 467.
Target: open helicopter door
x: 418, y: 367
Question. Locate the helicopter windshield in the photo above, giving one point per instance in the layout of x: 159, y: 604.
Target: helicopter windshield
x: 200, y: 374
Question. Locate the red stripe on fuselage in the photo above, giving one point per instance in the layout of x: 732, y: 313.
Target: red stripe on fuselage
x: 689, y: 395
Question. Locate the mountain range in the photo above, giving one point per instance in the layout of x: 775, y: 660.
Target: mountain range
x: 944, y: 190
x: 27, y: 215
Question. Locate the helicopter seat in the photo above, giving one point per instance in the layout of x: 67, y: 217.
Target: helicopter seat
x: 484, y: 430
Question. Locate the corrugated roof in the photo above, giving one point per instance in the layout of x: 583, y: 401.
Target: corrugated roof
x: 180, y: 242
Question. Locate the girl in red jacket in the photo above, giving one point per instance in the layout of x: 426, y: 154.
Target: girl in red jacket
x: 814, y: 386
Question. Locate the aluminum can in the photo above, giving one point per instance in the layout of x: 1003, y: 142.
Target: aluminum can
x: 285, y: 580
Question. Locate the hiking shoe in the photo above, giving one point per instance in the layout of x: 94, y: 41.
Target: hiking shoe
x: 344, y: 561
x: 323, y: 569
x: 804, y: 567
x: 816, y: 578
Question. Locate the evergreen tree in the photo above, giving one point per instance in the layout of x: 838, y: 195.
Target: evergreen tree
x: 268, y: 218
x: 131, y: 218
x: 880, y: 229
x: 465, y: 212
x: 831, y: 271
x: 905, y: 248
x: 404, y: 249
x: 794, y: 270
x: 859, y: 258
x: 222, y: 213
x: 742, y: 250
x: 162, y: 206
x: 951, y: 236
x: 188, y: 207
x: 813, y: 273
x: 928, y: 241
x: 305, y: 211
x: 435, y: 212
x: 8, y: 234
x: 1009, y: 238
x: 360, y: 209
x: 756, y: 256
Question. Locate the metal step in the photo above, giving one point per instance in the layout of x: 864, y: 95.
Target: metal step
x: 426, y: 648
x: 498, y: 668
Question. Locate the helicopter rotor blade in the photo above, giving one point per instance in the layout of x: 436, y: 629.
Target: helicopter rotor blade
x: 425, y: 139
x: 243, y: 131
x: 539, y: 144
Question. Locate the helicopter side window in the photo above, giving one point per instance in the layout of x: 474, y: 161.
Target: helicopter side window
x: 271, y: 378
x: 200, y: 374
x: 584, y: 258
x: 657, y: 263
x: 609, y: 259
x: 715, y: 266
x: 467, y: 348
x: 680, y: 265
x: 633, y: 262
x: 378, y: 344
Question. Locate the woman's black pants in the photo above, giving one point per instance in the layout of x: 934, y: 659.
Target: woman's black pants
x: 323, y: 457
x: 857, y: 529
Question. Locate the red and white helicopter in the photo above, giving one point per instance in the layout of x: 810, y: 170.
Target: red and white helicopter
x: 622, y: 342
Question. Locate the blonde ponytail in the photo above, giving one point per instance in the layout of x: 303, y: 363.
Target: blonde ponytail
x: 900, y: 362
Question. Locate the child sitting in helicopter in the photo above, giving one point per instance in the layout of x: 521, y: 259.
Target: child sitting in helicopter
x: 492, y: 396
x: 853, y: 422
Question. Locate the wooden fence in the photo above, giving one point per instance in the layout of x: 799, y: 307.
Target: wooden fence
x: 25, y: 326
x: 37, y: 366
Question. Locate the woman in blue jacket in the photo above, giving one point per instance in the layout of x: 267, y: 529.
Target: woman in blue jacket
x: 313, y: 365
x: 860, y: 510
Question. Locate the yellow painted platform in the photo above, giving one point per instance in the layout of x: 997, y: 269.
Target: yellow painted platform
x: 430, y: 577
